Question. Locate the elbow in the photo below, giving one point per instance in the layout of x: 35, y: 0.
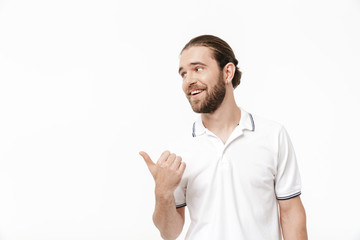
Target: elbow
x: 169, y: 237
x: 168, y: 231
x: 173, y: 234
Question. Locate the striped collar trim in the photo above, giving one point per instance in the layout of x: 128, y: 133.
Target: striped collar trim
x: 246, y: 122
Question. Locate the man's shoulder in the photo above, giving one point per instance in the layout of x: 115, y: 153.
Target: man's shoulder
x: 264, y: 124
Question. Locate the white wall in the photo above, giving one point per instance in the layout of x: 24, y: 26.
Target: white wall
x: 85, y: 85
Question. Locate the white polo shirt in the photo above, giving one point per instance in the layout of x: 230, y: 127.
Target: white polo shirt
x: 232, y: 189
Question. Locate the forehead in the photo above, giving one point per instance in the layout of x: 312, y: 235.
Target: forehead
x: 196, y: 54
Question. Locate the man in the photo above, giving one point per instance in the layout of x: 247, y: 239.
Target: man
x: 241, y: 179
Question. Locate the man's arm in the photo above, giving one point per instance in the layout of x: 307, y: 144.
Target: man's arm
x: 293, y: 219
x: 167, y: 173
x: 167, y: 218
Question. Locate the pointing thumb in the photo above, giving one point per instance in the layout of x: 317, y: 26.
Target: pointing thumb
x: 148, y: 161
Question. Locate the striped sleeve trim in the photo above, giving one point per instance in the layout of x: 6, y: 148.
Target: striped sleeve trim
x: 290, y: 196
x: 180, y: 205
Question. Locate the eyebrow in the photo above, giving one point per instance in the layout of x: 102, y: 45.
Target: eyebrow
x: 192, y: 64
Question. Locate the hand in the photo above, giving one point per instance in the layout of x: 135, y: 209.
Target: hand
x: 167, y: 172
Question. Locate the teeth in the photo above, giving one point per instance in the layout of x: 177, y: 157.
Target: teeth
x: 195, y: 92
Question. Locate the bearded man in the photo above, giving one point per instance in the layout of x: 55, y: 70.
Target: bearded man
x: 241, y: 180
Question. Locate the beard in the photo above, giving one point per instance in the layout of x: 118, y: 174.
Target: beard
x: 212, y: 100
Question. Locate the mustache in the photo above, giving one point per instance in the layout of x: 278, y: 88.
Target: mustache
x: 195, y: 87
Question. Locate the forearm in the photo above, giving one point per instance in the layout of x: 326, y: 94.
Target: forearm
x: 293, y: 224
x: 166, y: 218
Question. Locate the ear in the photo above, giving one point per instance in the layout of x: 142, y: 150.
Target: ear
x: 229, y: 72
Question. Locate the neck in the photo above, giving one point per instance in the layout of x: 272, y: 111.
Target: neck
x: 224, y: 120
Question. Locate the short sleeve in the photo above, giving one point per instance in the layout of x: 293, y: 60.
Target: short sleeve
x: 180, y: 194
x: 287, y: 179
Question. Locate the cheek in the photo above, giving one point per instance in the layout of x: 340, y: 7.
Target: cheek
x: 184, y: 87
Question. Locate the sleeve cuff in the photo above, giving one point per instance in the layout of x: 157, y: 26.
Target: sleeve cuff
x: 180, y: 205
x: 289, y: 196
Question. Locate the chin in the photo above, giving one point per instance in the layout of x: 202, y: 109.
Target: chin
x: 201, y: 110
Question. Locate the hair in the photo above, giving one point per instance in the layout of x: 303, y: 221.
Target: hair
x: 222, y: 53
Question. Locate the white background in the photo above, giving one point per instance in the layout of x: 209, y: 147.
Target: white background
x: 85, y: 85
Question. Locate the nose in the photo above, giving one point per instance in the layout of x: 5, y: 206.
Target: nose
x: 189, y: 79
x: 188, y: 82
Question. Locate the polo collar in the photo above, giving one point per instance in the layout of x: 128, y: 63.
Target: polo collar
x: 246, y: 122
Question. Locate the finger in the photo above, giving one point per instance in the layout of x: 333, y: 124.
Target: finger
x: 170, y: 159
x: 163, y: 157
x: 147, y: 159
x: 177, y: 162
x: 182, y: 168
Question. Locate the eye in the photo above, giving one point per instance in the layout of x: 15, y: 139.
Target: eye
x: 183, y: 74
x: 199, y: 69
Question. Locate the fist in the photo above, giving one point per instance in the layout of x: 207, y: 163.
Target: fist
x: 167, y: 172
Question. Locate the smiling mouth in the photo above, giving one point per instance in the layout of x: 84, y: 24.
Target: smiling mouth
x: 195, y: 92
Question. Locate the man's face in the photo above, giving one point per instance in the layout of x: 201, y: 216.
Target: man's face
x: 203, y: 82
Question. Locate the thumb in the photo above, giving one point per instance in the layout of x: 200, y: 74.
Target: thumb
x: 151, y: 165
